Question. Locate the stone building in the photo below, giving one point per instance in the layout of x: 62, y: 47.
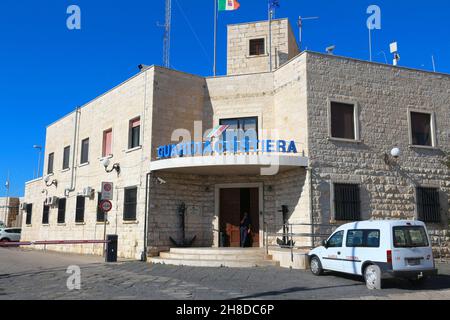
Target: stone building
x: 10, y: 212
x: 325, y: 127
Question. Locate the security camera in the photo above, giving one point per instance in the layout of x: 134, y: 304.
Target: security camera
x: 330, y: 49
x: 161, y: 180
x: 396, y: 153
x: 47, y: 179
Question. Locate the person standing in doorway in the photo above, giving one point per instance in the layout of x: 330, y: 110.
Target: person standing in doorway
x: 246, y: 229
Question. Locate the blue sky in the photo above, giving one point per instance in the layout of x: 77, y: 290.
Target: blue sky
x: 47, y: 70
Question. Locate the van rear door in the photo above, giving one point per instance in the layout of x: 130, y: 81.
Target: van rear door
x: 412, y: 249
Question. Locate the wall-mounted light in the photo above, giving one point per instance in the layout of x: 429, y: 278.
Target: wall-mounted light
x: 392, y: 158
x: 106, y: 162
x: 49, y: 184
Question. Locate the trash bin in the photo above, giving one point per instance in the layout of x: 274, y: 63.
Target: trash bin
x: 111, y: 248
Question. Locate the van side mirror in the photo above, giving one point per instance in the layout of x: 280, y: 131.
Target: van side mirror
x: 325, y: 243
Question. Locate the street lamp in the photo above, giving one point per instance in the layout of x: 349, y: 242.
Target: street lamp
x: 39, y: 160
x: 106, y: 162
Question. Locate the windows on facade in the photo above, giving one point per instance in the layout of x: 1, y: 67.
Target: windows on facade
x: 84, y: 151
x: 257, y: 47
x: 243, y: 127
x: 421, y: 126
x: 130, y: 203
x: 428, y: 205
x: 135, y: 133
x: 347, y: 203
x: 343, y: 120
x: 62, y: 210
x: 79, y: 212
x: 66, y: 158
x: 107, y: 143
x: 29, y: 210
x: 100, y: 213
x: 51, y: 158
x: 45, y: 214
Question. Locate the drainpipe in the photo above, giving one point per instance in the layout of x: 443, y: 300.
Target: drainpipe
x: 74, y: 148
x: 147, y: 205
x: 311, y: 207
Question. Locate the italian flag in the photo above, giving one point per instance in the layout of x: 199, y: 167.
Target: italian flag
x: 228, y: 5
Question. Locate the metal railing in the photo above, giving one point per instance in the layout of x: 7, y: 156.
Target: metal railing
x: 288, y: 236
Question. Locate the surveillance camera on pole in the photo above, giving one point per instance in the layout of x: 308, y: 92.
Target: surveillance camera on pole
x: 394, y: 51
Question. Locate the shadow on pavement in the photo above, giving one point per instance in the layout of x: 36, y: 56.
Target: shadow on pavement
x: 289, y: 290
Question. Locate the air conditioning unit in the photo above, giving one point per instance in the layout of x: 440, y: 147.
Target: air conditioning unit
x: 51, y: 201
x: 88, y: 192
x: 23, y: 206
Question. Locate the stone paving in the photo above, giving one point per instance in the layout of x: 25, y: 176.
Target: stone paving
x: 42, y: 275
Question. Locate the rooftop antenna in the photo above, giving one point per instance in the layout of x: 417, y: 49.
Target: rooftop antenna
x: 167, y: 28
x: 433, y: 62
x: 394, y: 51
x: 300, y: 28
x: 330, y: 49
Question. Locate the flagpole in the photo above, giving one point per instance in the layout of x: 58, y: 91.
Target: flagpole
x: 215, y: 38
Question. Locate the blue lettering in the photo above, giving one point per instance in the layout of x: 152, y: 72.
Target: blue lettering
x: 207, y: 150
x: 269, y: 145
x: 282, y: 146
x: 292, y: 148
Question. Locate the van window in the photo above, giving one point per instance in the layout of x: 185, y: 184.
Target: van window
x: 363, y: 238
x: 336, y: 240
x: 410, y: 237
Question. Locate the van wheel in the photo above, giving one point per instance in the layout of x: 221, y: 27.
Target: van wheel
x: 5, y: 240
x: 372, y: 276
x: 316, y: 266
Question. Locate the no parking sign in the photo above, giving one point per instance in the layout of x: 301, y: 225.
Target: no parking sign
x: 107, y: 190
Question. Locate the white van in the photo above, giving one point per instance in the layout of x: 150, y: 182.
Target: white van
x: 377, y: 250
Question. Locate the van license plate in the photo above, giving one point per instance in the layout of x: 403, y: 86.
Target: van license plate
x: 413, y: 262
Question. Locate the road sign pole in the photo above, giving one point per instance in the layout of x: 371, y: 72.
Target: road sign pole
x: 105, y: 218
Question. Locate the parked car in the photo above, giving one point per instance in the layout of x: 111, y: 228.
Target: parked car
x: 10, y: 234
x: 377, y: 250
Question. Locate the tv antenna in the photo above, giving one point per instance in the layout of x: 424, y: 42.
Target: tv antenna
x: 167, y: 31
x: 300, y: 28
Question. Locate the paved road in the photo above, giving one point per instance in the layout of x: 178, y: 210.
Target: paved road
x: 42, y: 275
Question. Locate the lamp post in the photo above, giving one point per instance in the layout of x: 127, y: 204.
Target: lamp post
x: 39, y: 160
x: 7, y: 185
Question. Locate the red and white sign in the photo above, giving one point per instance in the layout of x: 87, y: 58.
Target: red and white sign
x: 106, y: 206
x: 107, y: 190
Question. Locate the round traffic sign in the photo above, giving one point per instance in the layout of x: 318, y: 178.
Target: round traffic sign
x: 107, y: 187
x: 106, y: 205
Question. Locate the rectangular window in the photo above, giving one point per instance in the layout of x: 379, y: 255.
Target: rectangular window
x: 45, y: 214
x: 107, y: 143
x: 342, y: 117
x: 100, y: 213
x: 347, y: 202
x: 29, y: 213
x: 66, y: 157
x: 130, y: 202
x: 51, y: 157
x: 79, y: 213
x: 428, y: 204
x: 410, y: 237
x: 257, y: 47
x: 421, y: 129
x: 135, y: 132
x: 62, y: 210
x: 249, y: 126
x: 363, y: 238
x: 84, y: 151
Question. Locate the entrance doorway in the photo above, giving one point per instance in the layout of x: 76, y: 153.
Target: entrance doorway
x: 234, y: 202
